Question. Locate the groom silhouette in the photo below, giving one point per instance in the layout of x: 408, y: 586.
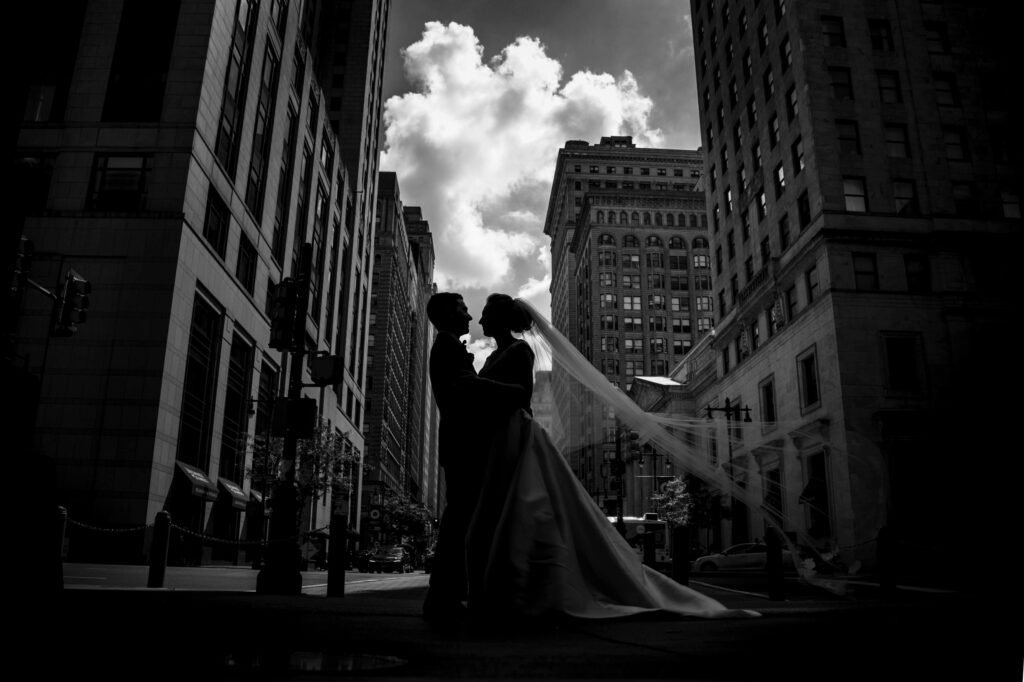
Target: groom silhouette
x: 466, y: 403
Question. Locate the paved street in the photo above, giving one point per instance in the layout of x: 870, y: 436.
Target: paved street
x: 376, y: 632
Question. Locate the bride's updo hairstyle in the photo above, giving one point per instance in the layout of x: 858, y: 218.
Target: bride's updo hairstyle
x: 510, y: 312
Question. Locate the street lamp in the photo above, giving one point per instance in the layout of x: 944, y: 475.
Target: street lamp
x: 731, y: 411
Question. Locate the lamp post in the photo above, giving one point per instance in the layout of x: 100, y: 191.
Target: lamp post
x: 730, y: 411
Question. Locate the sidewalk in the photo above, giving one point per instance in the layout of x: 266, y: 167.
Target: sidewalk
x: 187, y: 635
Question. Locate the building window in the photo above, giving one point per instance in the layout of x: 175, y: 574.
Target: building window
x: 807, y: 367
x: 704, y: 304
x: 283, y: 201
x: 217, y: 222
x: 631, y: 281
x: 815, y: 496
x: 792, y: 104
x: 918, y: 273
x: 946, y: 93
x: 245, y: 269
x: 889, y: 87
x: 762, y: 35
x: 755, y: 156
x: 631, y: 303
x: 768, y: 81
x: 751, y: 112
x: 784, y: 232
x: 262, y: 127
x: 785, y: 54
x: 797, y: 153
x: 656, y: 324
x: 233, y: 105
x: 965, y: 199
x: 235, y: 424
x: 762, y: 205
x: 955, y: 143
x: 766, y: 251
x: 609, y: 344
x: 730, y: 241
x: 766, y: 390
x: 881, y: 34
x: 832, y: 30
x: 748, y: 66
x: 610, y: 366
x: 936, y: 37
x: 655, y: 280
x: 842, y: 85
x: 773, y: 131
x: 1011, y: 204
x: 607, y: 279
x: 790, y: 302
x: 120, y: 183
x: 896, y: 141
x: 849, y: 137
x: 904, y: 196
x: 654, y: 302
x: 608, y: 301
x: 904, y: 363
x: 812, y: 284
x: 725, y: 360
x: 780, y: 180
x: 865, y: 272
x: 855, y: 194
x: 632, y: 324
x: 199, y: 386
x: 702, y: 261
x: 803, y: 205
x: 606, y: 258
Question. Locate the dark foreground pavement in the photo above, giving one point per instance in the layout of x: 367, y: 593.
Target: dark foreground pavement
x: 188, y: 635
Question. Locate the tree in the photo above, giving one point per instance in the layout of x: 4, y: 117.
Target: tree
x: 403, y: 517
x: 323, y: 462
x: 674, y: 503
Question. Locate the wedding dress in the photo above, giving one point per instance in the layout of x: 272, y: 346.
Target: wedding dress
x: 539, y: 544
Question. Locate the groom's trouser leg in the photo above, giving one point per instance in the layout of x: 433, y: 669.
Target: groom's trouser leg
x: 448, y: 577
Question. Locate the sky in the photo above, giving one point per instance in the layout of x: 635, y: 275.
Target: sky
x: 481, y: 94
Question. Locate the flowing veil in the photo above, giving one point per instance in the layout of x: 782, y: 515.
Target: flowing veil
x: 588, y: 407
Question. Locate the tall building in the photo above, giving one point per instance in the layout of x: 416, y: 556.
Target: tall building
x: 863, y: 188
x: 397, y: 443
x: 180, y: 156
x: 631, y: 279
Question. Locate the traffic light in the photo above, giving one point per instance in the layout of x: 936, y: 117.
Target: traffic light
x: 71, y: 304
x: 634, y: 444
x: 282, y: 315
x: 22, y: 263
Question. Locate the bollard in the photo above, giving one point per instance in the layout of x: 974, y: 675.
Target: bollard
x: 62, y: 525
x: 681, y: 554
x: 774, y: 567
x: 337, y: 556
x: 650, y: 558
x: 158, y: 549
x: 886, y: 563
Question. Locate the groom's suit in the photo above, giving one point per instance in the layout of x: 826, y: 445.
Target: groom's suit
x: 467, y: 404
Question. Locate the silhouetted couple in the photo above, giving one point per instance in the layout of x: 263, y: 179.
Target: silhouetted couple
x: 520, y: 537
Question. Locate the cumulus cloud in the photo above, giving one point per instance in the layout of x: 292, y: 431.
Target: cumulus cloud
x: 475, y: 146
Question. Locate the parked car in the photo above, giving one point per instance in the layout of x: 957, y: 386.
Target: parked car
x: 390, y: 559
x: 361, y: 560
x: 744, y: 556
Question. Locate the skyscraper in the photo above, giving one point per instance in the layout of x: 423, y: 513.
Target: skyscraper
x: 631, y: 278
x: 181, y: 157
x: 863, y: 190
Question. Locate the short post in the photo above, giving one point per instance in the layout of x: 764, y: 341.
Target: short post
x: 158, y: 549
x: 337, y: 555
x: 650, y: 559
x: 886, y: 563
x: 62, y: 525
x: 681, y: 554
x: 776, y: 579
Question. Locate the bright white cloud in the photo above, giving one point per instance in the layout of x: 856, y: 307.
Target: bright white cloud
x: 475, y: 147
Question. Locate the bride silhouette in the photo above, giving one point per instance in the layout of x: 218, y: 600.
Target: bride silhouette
x: 538, y: 545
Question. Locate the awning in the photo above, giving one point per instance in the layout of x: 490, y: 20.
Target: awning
x: 256, y: 496
x: 239, y: 499
x: 200, y: 483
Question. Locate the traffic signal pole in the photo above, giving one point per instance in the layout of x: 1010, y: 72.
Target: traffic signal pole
x: 281, y: 572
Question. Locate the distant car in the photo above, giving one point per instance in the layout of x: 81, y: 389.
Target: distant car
x: 744, y: 556
x: 390, y: 559
x: 361, y: 560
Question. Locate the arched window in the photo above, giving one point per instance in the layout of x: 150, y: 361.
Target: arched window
x: 605, y: 240
x: 635, y: 218
x: 657, y: 219
x: 703, y: 219
x: 630, y: 240
x: 611, y: 217
x: 670, y: 220
x: 676, y: 243
x: 700, y: 243
x: 654, y: 241
x: 623, y: 218
x: 693, y: 220
x: 647, y: 218
x: 600, y: 216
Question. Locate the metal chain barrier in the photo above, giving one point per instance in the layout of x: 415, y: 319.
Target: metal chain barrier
x: 134, y: 529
